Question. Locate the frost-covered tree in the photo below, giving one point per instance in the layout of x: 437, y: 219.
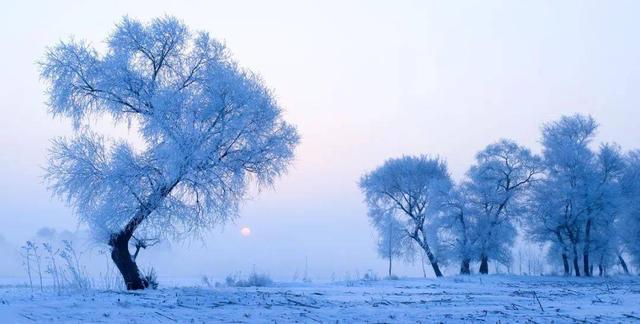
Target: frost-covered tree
x: 602, y: 240
x: 458, y: 228
x: 577, y: 204
x: 496, y: 188
x: 547, y: 219
x: 629, y: 225
x: 562, y: 196
x: 414, y: 190
x: 209, y: 128
x: 393, y: 241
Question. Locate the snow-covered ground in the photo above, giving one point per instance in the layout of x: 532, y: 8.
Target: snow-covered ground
x: 491, y: 299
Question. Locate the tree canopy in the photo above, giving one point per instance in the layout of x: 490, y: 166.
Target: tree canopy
x: 209, y: 127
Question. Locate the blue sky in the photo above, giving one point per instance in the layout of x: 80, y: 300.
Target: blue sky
x: 363, y: 81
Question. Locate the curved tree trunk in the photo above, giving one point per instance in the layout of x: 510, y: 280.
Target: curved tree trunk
x: 119, y: 242
x: 422, y: 242
x: 623, y: 264
x: 434, y: 264
x: 484, y: 264
x: 126, y: 265
x: 432, y: 260
x: 465, y: 268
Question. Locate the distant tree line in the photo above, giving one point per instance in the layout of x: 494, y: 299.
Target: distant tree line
x: 580, y: 202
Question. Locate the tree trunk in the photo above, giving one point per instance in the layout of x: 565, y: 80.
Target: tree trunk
x: 585, y: 264
x: 585, y: 251
x: 434, y: 264
x: 119, y: 242
x: 576, y: 265
x: 424, y: 270
x: 389, y: 266
x: 484, y: 264
x: 600, y: 270
x: 464, y: 267
x: 126, y: 265
x: 432, y: 260
x: 623, y: 264
x: 565, y: 258
x: 565, y: 263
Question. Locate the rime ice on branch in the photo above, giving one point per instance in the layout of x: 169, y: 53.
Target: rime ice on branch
x: 496, y: 189
x: 578, y: 206
x: 209, y: 127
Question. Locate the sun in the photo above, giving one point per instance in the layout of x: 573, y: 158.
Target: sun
x: 245, y: 231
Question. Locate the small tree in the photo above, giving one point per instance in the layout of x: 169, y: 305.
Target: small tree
x: 393, y: 241
x: 413, y: 189
x: 458, y: 228
x: 208, y: 128
x: 546, y: 220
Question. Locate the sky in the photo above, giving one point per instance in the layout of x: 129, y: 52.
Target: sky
x: 363, y: 81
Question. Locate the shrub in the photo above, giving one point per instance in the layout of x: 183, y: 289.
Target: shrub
x: 370, y: 276
x: 257, y: 280
x: 207, y: 282
x: 254, y: 280
x: 151, y: 278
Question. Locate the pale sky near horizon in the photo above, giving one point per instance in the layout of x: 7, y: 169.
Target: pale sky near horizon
x: 363, y: 81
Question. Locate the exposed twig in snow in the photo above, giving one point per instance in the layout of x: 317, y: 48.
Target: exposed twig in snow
x: 631, y: 316
x: 301, y: 304
x: 538, y: 299
x: 27, y: 317
x: 309, y: 317
x: 166, y: 316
